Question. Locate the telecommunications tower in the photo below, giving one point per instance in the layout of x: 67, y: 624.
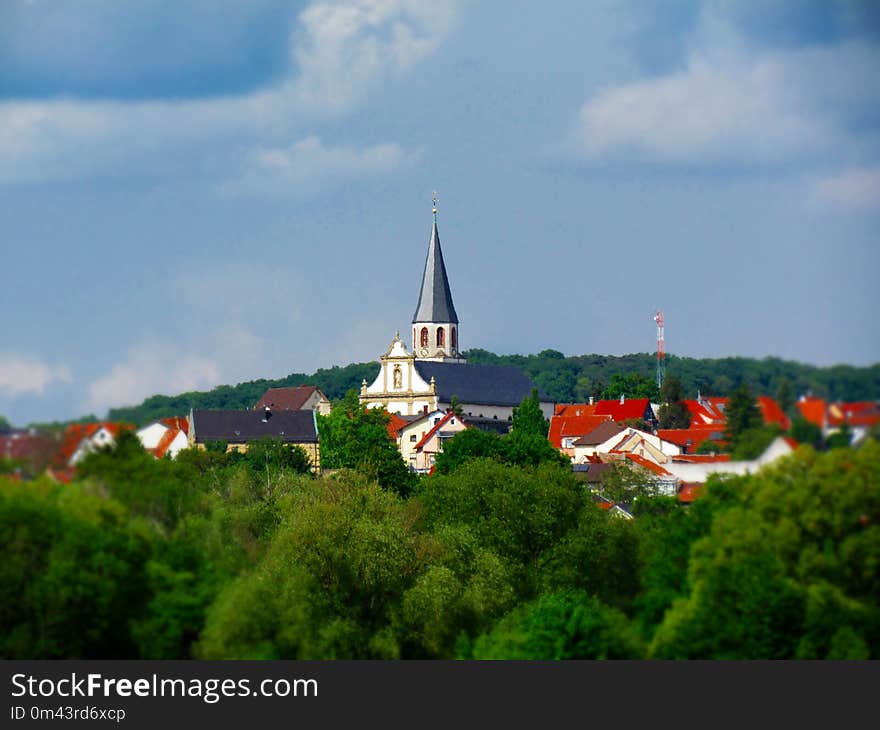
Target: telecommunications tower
x: 661, y: 349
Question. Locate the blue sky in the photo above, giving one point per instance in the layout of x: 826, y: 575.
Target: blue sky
x: 204, y: 192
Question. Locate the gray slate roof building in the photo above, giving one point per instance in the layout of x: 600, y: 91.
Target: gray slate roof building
x: 435, y: 298
x: 299, y: 427
x: 600, y: 434
x: 478, y: 384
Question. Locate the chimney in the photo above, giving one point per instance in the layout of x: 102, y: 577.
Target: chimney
x: 622, y: 398
x: 591, y: 400
x: 267, y: 414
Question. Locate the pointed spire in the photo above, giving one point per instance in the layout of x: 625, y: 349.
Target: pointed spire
x: 435, y: 298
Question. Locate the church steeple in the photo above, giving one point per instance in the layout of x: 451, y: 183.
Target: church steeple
x: 435, y: 323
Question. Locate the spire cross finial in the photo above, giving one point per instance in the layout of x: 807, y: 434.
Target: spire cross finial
x: 434, y: 199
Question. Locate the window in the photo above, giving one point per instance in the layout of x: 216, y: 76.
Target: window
x: 412, y: 439
x: 454, y: 338
x: 441, y: 337
x: 424, y: 336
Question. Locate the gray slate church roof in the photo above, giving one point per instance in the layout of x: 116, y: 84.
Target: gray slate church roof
x: 240, y: 426
x: 479, y: 384
x: 435, y: 298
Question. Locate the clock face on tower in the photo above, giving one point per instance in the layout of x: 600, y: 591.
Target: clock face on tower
x: 424, y: 352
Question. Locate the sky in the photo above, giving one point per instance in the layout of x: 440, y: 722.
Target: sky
x: 199, y: 192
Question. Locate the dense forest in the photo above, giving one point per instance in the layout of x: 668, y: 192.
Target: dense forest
x: 564, y: 379
x: 505, y: 555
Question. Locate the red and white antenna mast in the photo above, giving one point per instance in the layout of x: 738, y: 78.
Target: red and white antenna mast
x: 661, y: 349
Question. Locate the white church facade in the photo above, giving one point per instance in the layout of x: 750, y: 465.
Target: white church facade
x: 427, y: 378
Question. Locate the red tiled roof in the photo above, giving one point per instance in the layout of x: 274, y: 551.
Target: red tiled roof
x: 859, y: 413
x: 76, y: 432
x: 395, y: 423
x: 434, y: 430
x: 813, y: 410
x: 575, y: 409
x: 704, y: 411
x: 648, y: 464
x: 166, y: 441
x: 178, y: 422
x: 689, y: 491
x: 696, y: 436
x: 286, y: 399
x: 630, y: 408
x: 573, y: 426
x: 701, y: 458
x: 26, y: 445
x: 772, y: 413
x: 64, y: 475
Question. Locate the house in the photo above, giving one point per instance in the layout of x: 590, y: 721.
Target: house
x: 570, y: 423
x: 434, y: 372
x: 298, y: 398
x: 623, y: 410
x: 413, y: 432
x: 666, y: 483
x: 422, y: 437
x: 239, y: 428
x: 587, y: 446
x: 424, y: 452
x: 81, y: 439
x: 33, y: 450
x: 613, y: 438
x: 167, y: 436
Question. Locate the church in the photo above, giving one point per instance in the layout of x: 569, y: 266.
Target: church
x: 427, y: 378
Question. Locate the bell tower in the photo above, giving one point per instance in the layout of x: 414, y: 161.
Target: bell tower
x: 435, y: 323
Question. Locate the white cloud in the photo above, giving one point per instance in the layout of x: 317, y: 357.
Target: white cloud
x: 344, y: 51
x: 854, y: 188
x: 308, y: 166
x: 729, y: 105
x: 150, y: 368
x: 23, y: 374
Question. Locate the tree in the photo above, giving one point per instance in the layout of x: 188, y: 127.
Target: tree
x: 272, y: 453
x: 673, y: 413
x: 742, y: 412
x: 472, y: 443
x: 331, y: 584
x: 785, y: 395
x: 566, y: 625
x: 841, y: 438
x: 789, y: 572
x: 455, y: 406
x: 746, y: 434
x: 806, y: 432
x: 631, y: 385
x: 625, y: 483
x: 356, y: 437
x: 517, y: 513
x: 529, y: 419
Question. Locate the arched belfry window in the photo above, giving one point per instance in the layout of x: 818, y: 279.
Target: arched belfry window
x: 424, y: 337
x: 454, y: 338
x: 441, y: 337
